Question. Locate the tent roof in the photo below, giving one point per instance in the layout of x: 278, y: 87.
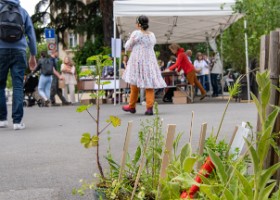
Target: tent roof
x: 179, y: 21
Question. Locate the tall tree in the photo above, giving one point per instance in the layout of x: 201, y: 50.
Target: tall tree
x: 106, y: 8
x: 67, y: 15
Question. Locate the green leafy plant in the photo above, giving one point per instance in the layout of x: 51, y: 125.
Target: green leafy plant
x: 149, y: 179
x: 230, y: 179
x: 92, y: 140
x: 234, y: 183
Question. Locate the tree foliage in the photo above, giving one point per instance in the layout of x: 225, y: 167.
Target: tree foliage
x: 262, y: 17
x: 72, y: 15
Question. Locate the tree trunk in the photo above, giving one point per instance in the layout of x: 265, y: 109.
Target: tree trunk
x: 106, y: 8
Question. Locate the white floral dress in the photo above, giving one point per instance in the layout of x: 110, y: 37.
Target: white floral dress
x: 142, y: 67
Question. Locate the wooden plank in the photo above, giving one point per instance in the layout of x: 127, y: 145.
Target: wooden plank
x: 125, y: 149
x: 191, y: 132
x: 142, y: 163
x: 233, y: 136
x: 201, y: 141
x: 168, y: 149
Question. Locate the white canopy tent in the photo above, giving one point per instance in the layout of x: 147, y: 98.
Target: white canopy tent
x: 176, y: 21
x: 180, y: 21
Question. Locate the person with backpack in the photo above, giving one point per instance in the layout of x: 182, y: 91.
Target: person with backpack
x: 47, y: 67
x: 15, y: 26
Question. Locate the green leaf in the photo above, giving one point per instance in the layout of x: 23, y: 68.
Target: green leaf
x: 94, y: 140
x: 264, y: 144
x: 258, y: 105
x: 86, y: 139
x: 82, y: 108
x: 114, y: 120
x: 254, y: 156
x: 247, y: 189
x: 185, y: 152
x: 107, y: 63
x: 137, y: 155
x: 105, y: 57
x: 206, y: 189
x: 266, y: 174
x: 219, y: 166
x: 228, y: 194
x: 105, y: 82
x: 189, y: 164
x: 270, y: 120
x: 265, y: 94
x: 113, y: 164
x: 265, y: 193
x: 176, y: 142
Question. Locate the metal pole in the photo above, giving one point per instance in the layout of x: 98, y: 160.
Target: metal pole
x: 247, y: 61
x: 221, y: 57
x: 115, y: 60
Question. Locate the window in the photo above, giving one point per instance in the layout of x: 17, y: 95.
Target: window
x: 73, y: 40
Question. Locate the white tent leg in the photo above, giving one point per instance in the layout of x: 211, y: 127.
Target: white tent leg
x: 222, y: 61
x: 247, y: 61
x: 115, y: 60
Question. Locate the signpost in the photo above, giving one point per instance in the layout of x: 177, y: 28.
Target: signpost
x: 50, y: 39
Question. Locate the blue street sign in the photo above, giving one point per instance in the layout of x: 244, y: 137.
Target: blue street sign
x: 49, y: 33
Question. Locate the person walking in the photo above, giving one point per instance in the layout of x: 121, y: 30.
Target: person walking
x: 216, y: 72
x: 201, y: 68
x: 68, y: 72
x: 183, y: 62
x: 13, y: 46
x: 54, y: 87
x: 47, y: 69
x: 142, y: 69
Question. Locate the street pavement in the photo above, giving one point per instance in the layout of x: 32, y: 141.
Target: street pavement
x: 46, y: 160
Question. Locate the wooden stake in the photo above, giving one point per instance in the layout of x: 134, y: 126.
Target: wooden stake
x: 141, y: 164
x: 167, y: 152
x: 232, y: 137
x: 125, y: 148
x: 201, y: 142
x: 191, y: 133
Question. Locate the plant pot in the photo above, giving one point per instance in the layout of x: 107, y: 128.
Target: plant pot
x: 99, y: 194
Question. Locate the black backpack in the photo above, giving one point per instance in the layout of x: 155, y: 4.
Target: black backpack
x: 11, y: 22
x: 47, y: 66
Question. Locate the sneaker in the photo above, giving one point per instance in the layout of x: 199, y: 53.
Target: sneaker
x: 202, y: 97
x: 55, y: 104
x: 149, y: 111
x: 4, y: 124
x: 47, y: 103
x: 128, y: 109
x: 19, y: 126
x: 66, y: 103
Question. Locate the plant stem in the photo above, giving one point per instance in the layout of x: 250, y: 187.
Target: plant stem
x: 105, y: 127
x: 222, y: 120
x: 98, y: 132
x: 91, y: 116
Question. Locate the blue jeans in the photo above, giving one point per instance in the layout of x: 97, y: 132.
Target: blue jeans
x: 15, y: 61
x: 44, y: 86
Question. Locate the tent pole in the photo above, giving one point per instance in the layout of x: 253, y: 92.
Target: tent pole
x: 247, y: 61
x: 115, y: 60
x: 222, y: 61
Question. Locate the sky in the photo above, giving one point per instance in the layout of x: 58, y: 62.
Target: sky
x: 29, y: 5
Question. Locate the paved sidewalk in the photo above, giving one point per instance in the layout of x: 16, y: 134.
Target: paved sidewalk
x: 46, y: 160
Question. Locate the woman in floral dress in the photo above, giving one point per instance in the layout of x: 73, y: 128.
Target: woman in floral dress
x: 142, y: 69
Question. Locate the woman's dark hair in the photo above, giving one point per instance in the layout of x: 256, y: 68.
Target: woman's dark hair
x: 143, y: 21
